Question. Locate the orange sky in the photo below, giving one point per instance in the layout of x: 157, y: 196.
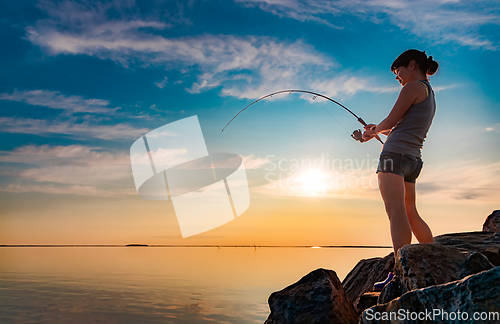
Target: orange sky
x: 47, y: 219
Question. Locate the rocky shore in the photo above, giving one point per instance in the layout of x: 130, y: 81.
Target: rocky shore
x: 454, y: 280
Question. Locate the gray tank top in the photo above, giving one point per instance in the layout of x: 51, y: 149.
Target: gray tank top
x: 408, y: 136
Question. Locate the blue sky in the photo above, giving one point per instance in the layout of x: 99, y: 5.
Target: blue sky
x: 81, y: 80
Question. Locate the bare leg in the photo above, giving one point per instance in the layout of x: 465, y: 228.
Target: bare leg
x: 392, y: 189
x: 418, y: 226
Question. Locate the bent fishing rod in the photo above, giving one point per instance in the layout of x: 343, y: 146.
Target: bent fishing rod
x: 357, y: 135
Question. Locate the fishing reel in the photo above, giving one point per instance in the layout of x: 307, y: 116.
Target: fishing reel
x: 358, y: 135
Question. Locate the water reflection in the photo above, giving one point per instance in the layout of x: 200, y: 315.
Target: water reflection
x: 155, y: 285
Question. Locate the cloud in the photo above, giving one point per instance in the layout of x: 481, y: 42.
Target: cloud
x: 349, y: 85
x: 162, y: 83
x: 495, y: 128
x: 45, y: 153
x: 242, y: 66
x: 73, y: 169
x: 66, y: 190
x: 465, y: 181
x: 445, y: 87
x: 325, y: 177
x: 441, y: 20
x: 228, y: 61
x: 56, y: 100
x: 253, y: 162
x: 295, y: 9
x: 84, y: 129
x: 330, y: 183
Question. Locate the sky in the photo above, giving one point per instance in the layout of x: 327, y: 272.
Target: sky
x: 81, y: 81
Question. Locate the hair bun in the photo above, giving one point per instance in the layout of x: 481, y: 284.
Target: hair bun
x: 432, y: 66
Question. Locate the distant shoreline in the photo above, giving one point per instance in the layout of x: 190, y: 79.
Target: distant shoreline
x: 198, y: 246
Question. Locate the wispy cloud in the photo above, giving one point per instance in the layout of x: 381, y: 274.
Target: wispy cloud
x: 162, y: 83
x: 253, y: 162
x: 56, y: 100
x: 242, y: 66
x: 66, y: 190
x: 234, y: 63
x: 446, y: 87
x: 463, y: 182
x: 74, y: 169
x: 66, y: 169
x: 442, y: 20
x: 70, y: 128
x: 350, y: 85
x: 494, y: 128
x: 356, y: 183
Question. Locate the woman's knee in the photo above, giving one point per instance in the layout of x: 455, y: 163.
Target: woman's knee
x: 395, y: 209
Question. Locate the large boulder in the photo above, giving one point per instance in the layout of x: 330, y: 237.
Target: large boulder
x: 367, y: 300
x: 316, y: 298
x: 454, y: 302
x: 487, y: 243
x: 422, y: 265
x: 492, y: 223
x: 362, y: 277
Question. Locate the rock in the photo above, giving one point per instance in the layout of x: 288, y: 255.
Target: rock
x: 367, y: 300
x: 456, y: 275
x: 316, y: 298
x: 474, y: 293
x: 422, y: 265
x: 492, y: 223
x: 486, y: 243
x: 391, y: 291
x: 493, y: 254
x: 367, y: 272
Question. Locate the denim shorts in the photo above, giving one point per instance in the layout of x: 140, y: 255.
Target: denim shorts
x: 407, y: 166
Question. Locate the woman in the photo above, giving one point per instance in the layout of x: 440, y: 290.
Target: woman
x: 400, y: 161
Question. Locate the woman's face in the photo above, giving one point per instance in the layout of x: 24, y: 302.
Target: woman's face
x: 403, y: 74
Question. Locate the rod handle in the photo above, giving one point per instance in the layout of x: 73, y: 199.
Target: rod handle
x: 364, y: 124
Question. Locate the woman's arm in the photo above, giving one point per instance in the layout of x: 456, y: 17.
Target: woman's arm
x: 407, y: 97
x: 386, y: 132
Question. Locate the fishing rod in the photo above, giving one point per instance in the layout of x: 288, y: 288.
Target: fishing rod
x: 357, y: 135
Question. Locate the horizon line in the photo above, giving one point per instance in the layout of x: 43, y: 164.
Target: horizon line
x: 194, y: 245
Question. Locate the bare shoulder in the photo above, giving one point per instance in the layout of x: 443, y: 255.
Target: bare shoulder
x: 413, y: 86
x: 414, y: 90
x: 416, y: 87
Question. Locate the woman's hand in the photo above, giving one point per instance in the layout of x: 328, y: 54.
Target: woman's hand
x: 386, y: 132
x: 369, y: 132
x: 368, y: 126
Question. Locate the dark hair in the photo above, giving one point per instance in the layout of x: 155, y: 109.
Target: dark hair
x: 425, y: 64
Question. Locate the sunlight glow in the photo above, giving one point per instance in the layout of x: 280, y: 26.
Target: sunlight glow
x: 314, y: 181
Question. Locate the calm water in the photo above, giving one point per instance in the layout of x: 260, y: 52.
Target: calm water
x: 155, y: 285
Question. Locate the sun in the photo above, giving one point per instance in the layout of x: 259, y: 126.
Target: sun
x: 313, y: 181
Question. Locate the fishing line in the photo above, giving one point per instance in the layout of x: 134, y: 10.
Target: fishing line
x: 214, y: 141
x: 348, y: 132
